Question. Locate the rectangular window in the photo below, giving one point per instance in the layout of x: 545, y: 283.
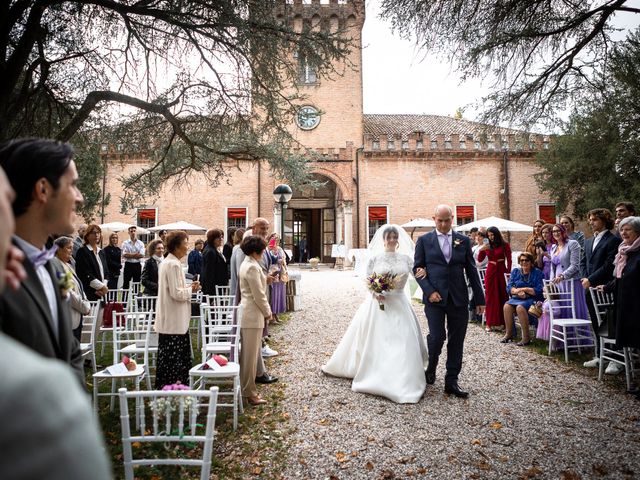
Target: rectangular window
x: 447, y: 144
x: 146, y: 218
x: 465, y: 214
x: 434, y: 144
x: 419, y: 145
x: 391, y: 145
x: 376, y: 217
x: 375, y: 145
x: 476, y: 144
x: 463, y: 145
x: 405, y: 145
x: 236, y: 217
x: 547, y: 212
x: 306, y: 71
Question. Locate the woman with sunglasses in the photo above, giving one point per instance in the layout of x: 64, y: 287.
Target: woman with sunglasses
x: 524, y: 289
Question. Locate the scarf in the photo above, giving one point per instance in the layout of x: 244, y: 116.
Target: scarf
x: 621, y: 258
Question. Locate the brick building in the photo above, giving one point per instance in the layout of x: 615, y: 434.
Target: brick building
x: 374, y: 168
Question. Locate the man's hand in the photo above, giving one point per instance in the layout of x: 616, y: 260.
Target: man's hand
x: 480, y: 309
x: 421, y: 272
x: 585, y: 283
x: 435, y: 297
x: 195, y: 286
x: 14, y: 272
x: 271, y: 278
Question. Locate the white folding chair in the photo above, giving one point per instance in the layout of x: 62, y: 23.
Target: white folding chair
x: 624, y: 357
x: 169, y: 427
x: 223, y: 290
x: 200, y: 376
x: 113, y: 296
x: 216, y: 326
x: 482, y: 272
x: 144, y: 303
x: 89, y: 327
x: 125, y: 332
x: 143, y: 340
x: 574, y: 333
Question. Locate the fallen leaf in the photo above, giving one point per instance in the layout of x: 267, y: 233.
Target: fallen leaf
x: 341, y: 457
x: 421, y: 470
x: 531, y: 472
x: 323, y: 421
x: 257, y: 470
x: 354, y: 454
x: 388, y: 474
x: 496, y: 425
x: 368, y: 466
x: 285, y: 416
x: 482, y: 465
x: 371, y: 439
x: 409, y: 473
x: 569, y: 475
x: 476, y: 441
x: 136, y: 444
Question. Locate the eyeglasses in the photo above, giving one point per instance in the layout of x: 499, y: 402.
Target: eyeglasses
x: 524, y: 260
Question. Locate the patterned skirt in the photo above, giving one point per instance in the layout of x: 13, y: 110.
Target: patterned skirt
x: 174, y: 359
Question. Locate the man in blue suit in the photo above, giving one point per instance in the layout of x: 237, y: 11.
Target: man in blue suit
x: 442, y: 257
x: 596, y: 268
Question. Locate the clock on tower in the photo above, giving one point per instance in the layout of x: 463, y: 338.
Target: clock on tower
x: 308, y: 117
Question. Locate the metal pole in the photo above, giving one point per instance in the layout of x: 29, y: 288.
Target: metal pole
x: 282, y: 207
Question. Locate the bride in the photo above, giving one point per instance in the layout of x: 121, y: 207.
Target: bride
x: 384, y: 350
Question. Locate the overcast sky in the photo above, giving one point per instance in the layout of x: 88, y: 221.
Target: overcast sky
x: 397, y: 79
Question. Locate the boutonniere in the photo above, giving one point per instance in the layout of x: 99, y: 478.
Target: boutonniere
x: 65, y: 282
x: 456, y: 242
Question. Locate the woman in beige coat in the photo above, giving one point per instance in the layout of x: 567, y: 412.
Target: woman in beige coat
x: 173, y: 314
x: 256, y: 309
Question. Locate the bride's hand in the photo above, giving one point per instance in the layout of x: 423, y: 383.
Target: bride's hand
x: 421, y: 272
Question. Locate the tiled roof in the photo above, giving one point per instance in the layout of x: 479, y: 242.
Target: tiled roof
x: 401, y: 124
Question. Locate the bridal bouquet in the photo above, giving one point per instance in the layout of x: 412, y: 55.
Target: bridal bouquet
x: 381, y: 284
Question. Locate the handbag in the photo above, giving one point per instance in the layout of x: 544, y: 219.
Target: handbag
x: 535, y: 310
x: 284, y: 274
x: 107, y: 316
x: 607, y: 328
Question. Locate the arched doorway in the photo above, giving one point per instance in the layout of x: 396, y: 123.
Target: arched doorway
x: 312, y: 216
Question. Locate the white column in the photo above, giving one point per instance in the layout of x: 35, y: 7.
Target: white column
x: 277, y: 220
x: 339, y: 223
x: 348, y: 229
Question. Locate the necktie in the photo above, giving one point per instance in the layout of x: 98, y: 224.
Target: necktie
x: 446, y: 248
x: 43, y: 256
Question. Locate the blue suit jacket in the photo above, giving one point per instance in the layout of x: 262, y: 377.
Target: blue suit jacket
x: 448, y: 278
x: 597, y: 265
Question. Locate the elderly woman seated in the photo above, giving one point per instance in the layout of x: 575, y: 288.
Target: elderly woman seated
x: 524, y: 289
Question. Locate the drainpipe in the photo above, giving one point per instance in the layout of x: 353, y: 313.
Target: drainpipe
x: 259, y: 190
x: 358, y: 150
x: 104, y: 186
x: 506, y: 201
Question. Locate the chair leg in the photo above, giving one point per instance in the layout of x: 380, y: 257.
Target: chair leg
x: 566, y: 347
x: 95, y: 397
x: 627, y: 366
x: 113, y: 393
x: 601, y: 362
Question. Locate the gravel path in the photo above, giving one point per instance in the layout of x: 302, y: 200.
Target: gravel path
x: 528, y: 416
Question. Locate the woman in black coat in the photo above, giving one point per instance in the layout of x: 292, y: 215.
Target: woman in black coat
x: 626, y: 284
x: 214, y: 265
x: 149, y: 279
x: 91, y: 265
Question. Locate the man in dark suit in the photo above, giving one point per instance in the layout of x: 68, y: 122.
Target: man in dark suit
x: 44, y: 179
x: 441, y: 259
x: 596, y: 266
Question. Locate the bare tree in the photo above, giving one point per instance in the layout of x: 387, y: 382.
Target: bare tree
x: 188, y: 83
x: 541, y: 54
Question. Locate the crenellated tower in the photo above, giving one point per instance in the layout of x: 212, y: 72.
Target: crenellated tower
x: 331, y: 117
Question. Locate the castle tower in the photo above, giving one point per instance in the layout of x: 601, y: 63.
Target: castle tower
x: 332, y: 114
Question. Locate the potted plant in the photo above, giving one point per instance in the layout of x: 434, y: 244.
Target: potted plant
x: 314, y: 263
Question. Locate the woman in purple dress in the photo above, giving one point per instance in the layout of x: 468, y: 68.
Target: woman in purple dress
x: 564, y: 267
x: 278, y: 288
x: 543, y: 248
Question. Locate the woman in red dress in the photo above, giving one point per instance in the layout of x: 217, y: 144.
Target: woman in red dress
x: 499, y: 254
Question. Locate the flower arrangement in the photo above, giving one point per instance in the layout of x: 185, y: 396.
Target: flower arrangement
x: 456, y: 242
x: 381, y: 284
x: 166, y: 405
x: 130, y: 364
x: 65, y: 282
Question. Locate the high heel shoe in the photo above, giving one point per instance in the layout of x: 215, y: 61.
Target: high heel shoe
x: 506, y: 340
x: 256, y: 401
x: 523, y: 344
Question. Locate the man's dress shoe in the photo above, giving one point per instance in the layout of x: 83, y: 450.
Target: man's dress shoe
x: 430, y: 376
x: 266, y: 378
x: 454, y: 389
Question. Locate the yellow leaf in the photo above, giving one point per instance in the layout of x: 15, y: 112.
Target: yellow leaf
x: 136, y: 444
x: 476, y: 441
x: 323, y: 421
x: 257, y: 470
x: 496, y: 425
x: 341, y: 457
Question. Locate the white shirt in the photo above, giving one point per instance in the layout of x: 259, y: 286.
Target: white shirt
x: 596, y: 239
x: 130, y: 247
x: 45, y: 281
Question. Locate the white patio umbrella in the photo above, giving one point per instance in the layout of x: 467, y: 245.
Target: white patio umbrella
x: 121, y: 227
x: 502, y: 224
x: 418, y: 224
x: 190, y: 228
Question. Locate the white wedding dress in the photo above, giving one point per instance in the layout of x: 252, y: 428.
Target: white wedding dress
x: 384, y: 350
